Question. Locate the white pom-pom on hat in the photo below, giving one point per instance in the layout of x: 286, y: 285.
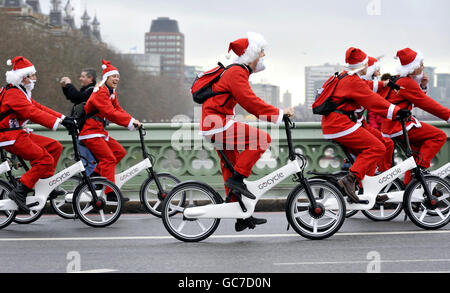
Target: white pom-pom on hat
x: 9, y: 62
x: 228, y: 56
x: 104, y: 66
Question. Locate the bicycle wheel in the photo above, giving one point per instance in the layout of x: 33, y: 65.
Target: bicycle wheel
x: 150, y: 196
x: 386, y: 211
x: 103, y: 212
x: 417, y: 206
x: 350, y: 213
x: 6, y: 217
x: 60, y: 206
x: 301, y: 216
x: 24, y: 218
x: 192, y: 194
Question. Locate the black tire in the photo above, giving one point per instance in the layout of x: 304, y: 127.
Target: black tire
x: 300, y: 218
x: 350, y: 213
x: 396, y: 208
x: 23, y: 218
x: 418, y: 210
x: 6, y: 217
x: 176, y: 223
x: 59, y: 205
x: 87, y: 211
x: 153, y: 206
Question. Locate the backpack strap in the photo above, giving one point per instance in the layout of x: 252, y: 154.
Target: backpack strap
x: 339, y: 77
x: 218, y: 78
x: 394, y: 79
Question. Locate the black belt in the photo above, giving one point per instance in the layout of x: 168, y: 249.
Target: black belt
x: 10, y: 129
x: 350, y: 115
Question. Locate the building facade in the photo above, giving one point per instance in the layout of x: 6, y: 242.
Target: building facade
x: 165, y: 39
x: 315, y: 77
x: 148, y: 63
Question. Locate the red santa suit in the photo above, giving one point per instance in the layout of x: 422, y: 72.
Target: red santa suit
x: 107, y: 150
x: 354, y: 92
x: 424, y: 138
x: 42, y: 152
x: 242, y: 144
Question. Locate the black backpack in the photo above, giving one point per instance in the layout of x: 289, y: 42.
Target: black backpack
x: 324, y: 104
x: 80, y: 116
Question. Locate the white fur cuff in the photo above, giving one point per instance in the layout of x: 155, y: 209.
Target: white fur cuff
x: 131, y: 126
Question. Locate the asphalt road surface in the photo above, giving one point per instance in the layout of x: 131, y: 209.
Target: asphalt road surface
x: 140, y: 244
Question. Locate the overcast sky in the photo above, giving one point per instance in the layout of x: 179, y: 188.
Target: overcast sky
x: 300, y: 33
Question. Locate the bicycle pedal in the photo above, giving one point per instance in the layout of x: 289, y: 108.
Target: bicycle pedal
x: 34, y: 204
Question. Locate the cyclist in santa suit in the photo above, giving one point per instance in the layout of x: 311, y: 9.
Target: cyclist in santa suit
x: 242, y: 143
x: 16, y: 138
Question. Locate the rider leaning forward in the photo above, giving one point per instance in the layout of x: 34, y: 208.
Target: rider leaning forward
x: 42, y: 152
x: 241, y: 143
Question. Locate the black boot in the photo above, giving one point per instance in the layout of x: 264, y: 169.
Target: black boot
x: 95, y: 174
x: 348, y: 183
x: 236, y: 183
x: 242, y: 224
x: 110, y: 196
x: 56, y: 192
x: 19, y: 196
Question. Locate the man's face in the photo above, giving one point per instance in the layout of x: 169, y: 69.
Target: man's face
x: 85, y: 80
x: 27, y: 79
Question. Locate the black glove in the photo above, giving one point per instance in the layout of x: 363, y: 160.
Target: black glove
x: 403, y: 114
x: 393, y: 85
x: 69, y: 123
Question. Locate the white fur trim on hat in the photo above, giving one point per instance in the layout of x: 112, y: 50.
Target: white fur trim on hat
x: 15, y: 77
x: 371, y: 70
x: 256, y: 43
x: 408, y: 69
x: 355, y: 68
x: 105, y: 77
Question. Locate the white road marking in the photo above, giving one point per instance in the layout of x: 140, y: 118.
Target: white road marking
x: 98, y: 271
x: 360, y: 262
x: 254, y: 236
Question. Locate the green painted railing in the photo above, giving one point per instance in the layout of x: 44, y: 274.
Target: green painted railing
x: 178, y: 149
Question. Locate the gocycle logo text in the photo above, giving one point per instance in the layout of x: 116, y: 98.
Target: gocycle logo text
x: 444, y: 173
x: 59, y: 179
x: 271, y: 181
x: 390, y: 176
x: 129, y: 174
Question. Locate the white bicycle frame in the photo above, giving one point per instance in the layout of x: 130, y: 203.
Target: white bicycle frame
x: 442, y: 172
x: 257, y: 188
x: 4, y: 167
x: 43, y: 188
x: 120, y: 179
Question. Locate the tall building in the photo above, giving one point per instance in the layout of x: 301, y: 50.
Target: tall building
x: 431, y: 73
x: 287, y: 99
x: 269, y: 93
x: 148, y: 63
x: 165, y: 38
x: 443, y: 86
x: 315, y: 77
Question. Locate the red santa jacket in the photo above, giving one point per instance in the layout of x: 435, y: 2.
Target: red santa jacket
x: 408, y: 98
x: 24, y: 109
x: 356, y: 93
x: 105, y: 102
x: 218, y: 112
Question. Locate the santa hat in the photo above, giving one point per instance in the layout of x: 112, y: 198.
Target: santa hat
x: 356, y: 60
x: 22, y: 67
x: 374, y: 65
x: 247, y: 49
x: 409, y: 61
x: 108, y: 70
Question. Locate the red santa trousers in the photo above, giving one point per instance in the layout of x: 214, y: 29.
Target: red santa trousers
x: 428, y: 141
x: 386, y: 162
x: 108, y: 153
x: 42, y: 152
x: 368, y: 149
x: 243, y: 145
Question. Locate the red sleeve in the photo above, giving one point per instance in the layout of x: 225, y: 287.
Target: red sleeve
x: 244, y: 95
x: 377, y: 87
x: 46, y: 109
x: 27, y: 110
x: 414, y: 94
x: 103, y: 103
x: 360, y: 92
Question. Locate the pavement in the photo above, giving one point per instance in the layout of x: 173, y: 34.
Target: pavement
x: 139, y: 243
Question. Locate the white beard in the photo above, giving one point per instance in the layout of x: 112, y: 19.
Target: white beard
x: 418, y: 78
x: 29, y: 87
x: 260, y: 66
